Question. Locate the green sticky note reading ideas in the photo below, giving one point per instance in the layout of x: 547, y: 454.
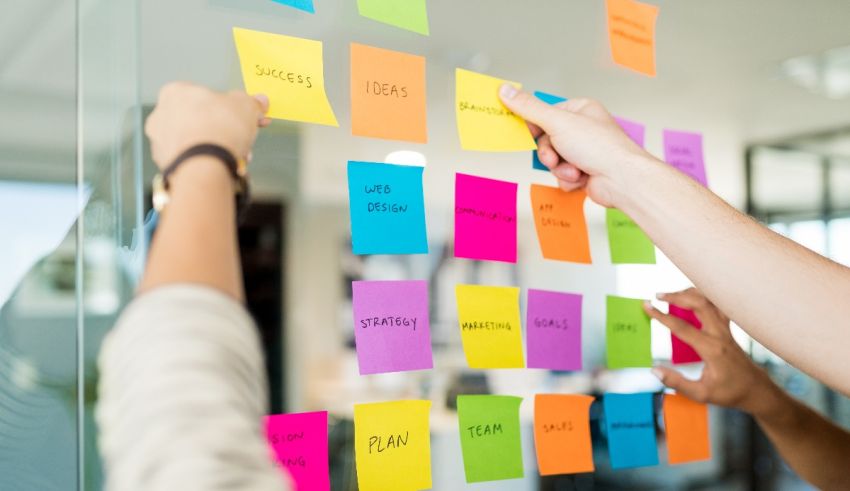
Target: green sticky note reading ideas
x: 490, y: 437
x: 406, y: 14
x: 628, y: 243
x: 627, y: 334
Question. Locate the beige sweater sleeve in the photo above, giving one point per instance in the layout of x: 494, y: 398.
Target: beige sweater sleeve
x: 181, y: 396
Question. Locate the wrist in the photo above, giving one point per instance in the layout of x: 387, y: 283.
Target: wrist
x: 767, y: 402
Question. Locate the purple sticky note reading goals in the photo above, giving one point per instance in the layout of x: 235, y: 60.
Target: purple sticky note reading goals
x: 392, y: 332
x: 553, y: 330
x: 683, y: 151
x: 682, y: 351
x: 635, y: 131
x: 485, y: 218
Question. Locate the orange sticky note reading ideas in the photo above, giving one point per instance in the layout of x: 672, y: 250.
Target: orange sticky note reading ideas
x: 562, y: 433
x: 631, y: 30
x: 561, y: 227
x: 686, y: 422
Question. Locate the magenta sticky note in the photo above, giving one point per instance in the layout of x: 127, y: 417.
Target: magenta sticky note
x: 299, y: 445
x: 485, y: 218
x: 635, y: 131
x: 682, y: 351
x: 392, y: 332
x: 683, y: 151
x: 553, y: 330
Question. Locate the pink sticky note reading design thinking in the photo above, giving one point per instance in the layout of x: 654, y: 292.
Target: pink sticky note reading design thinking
x: 299, y: 445
x: 485, y: 218
x: 635, y: 131
x: 682, y: 351
x: 683, y: 151
x: 553, y: 330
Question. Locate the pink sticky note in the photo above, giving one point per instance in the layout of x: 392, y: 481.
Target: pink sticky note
x: 683, y: 151
x: 485, y: 218
x: 634, y: 130
x: 299, y: 444
x: 682, y: 351
x: 553, y: 330
x: 392, y: 332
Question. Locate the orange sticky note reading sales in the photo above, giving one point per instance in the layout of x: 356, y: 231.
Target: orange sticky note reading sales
x: 631, y: 30
x: 562, y: 433
x: 686, y: 422
x: 560, y: 223
x: 388, y: 94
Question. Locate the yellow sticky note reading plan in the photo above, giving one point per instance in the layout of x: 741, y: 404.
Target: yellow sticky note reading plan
x: 490, y: 328
x: 392, y: 445
x: 483, y: 122
x: 289, y: 70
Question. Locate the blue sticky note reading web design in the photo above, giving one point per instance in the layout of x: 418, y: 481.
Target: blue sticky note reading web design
x: 305, y: 5
x: 387, y: 209
x: 630, y: 426
x: 552, y: 100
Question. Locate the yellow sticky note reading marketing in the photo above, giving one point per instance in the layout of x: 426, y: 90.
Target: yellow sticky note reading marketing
x: 392, y: 445
x: 289, y: 70
x: 483, y: 122
x: 490, y: 326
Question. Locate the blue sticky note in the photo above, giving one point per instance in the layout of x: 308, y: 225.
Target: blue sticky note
x: 305, y: 5
x: 552, y: 100
x: 630, y: 426
x: 387, y: 209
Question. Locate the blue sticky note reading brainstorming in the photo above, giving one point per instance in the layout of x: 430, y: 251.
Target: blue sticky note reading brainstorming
x: 631, y: 430
x: 387, y: 209
x: 551, y: 100
x: 305, y: 5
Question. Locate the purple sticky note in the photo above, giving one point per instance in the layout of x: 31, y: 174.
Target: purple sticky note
x: 553, y: 330
x: 392, y: 332
x: 634, y: 130
x: 485, y: 218
x: 299, y: 445
x: 682, y: 351
x: 683, y: 151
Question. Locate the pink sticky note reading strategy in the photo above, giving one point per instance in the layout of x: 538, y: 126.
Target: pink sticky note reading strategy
x: 553, y: 330
x: 392, y: 332
x: 682, y: 351
x: 683, y: 151
x: 299, y: 445
x: 635, y: 131
x: 485, y: 218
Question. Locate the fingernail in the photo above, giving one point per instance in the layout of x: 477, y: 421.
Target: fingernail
x: 658, y: 374
x: 660, y: 296
x: 648, y: 305
x: 508, y: 91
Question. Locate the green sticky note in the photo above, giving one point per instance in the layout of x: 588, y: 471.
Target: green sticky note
x: 490, y: 437
x: 627, y: 335
x: 629, y: 245
x: 406, y: 14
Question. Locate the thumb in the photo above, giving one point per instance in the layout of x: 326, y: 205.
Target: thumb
x: 531, y: 108
x: 692, y: 389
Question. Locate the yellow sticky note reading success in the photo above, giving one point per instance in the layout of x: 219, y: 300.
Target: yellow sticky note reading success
x: 490, y: 326
x: 289, y: 70
x: 483, y: 122
x: 392, y: 445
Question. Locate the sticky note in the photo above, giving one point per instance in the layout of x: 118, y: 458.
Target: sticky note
x: 683, y: 151
x: 305, y: 5
x: 490, y: 328
x: 388, y: 96
x: 299, y: 444
x: 631, y: 31
x: 552, y: 100
x: 490, y: 437
x: 387, y: 209
x: 686, y: 425
x: 627, y: 333
x: 562, y: 433
x: 411, y: 15
x: 627, y: 242
x: 289, y: 70
x: 392, y: 332
x: 392, y: 445
x: 485, y: 218
x: 682, y: 351
x: 560, y: 223
x: 636, y: 131
x: 630, y: 426
x: 553, y: 330
x: 483, y: 122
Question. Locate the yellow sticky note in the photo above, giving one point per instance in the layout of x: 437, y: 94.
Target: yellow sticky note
x: 392, y: 445
x: 483, y: 122
x: 289, y: 70
x: 490, y: 326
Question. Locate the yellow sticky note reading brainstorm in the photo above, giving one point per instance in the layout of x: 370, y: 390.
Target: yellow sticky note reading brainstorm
x: 289, y: 70
x: 490, y: 327
x: 483, y: 122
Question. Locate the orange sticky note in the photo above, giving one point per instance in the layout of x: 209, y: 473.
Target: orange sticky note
x: 686, y: 422
x: 562, y: 433
x: 631, y: 30
x: 561, y: 227
x: 388, y: 94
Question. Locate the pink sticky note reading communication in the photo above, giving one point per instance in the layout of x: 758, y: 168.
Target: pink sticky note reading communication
x: 682, y: 351
x: 485, y: 218
x: 299, y: 445
x: 635, y: 131
x: 553, y: 330
x: 683, y: 151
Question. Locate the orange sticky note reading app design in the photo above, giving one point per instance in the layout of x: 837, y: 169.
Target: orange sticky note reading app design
x: 631, y: 29
x: 560, y: 223
x: 562, y: 433
x: 686, y: 422
x: 388, y: 94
